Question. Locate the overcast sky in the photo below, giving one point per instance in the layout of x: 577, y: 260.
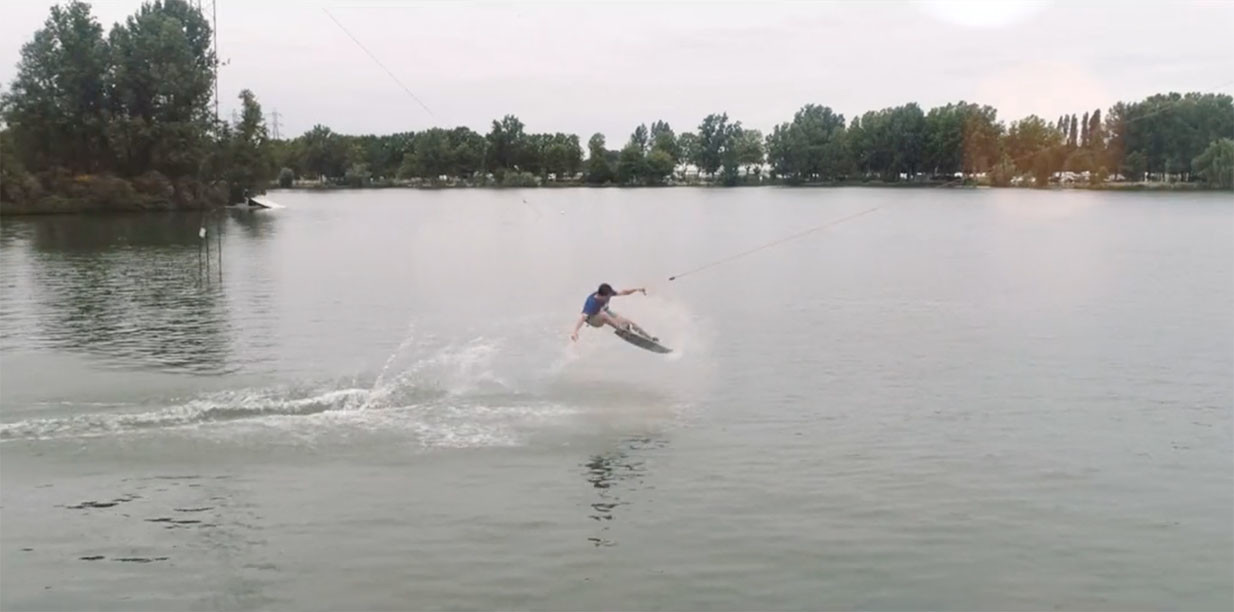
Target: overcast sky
x: 608, y: 66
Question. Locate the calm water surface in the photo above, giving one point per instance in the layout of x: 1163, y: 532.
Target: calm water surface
x: 965, y: 400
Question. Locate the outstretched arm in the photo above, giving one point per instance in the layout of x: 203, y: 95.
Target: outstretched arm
x: 577, y: 325
x: 629, y: 291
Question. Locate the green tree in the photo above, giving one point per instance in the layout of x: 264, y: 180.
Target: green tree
x: 714, y: 136
x: 982, y: 133
x: 1096, y: 134
x: 944, y: 138
x: 324, y: 153
x: 631, y: 165
x: 563, y: 157
x: 384, y: 154
x: 659, y: 166
x: 358, y: 175
x: 1163, y: 133
x: 161, y: 79
x: 688, y: 149
x: 632, y: 162
x: 250, y: 165
x: 889, y: 142
x: 467, y: 151
x: 55, y: 106
x: 1216, y: 164
x: 16, y: 184
x: 1034, y: 147
x: 1136, y: 165
x: 663, y: 139
x: 749, y: 150
x: 430, y: 157
x: 641, y: 138
x: 730, y: 153
x: 961, y: 137
x: 508, y: 145
x: 806, y: 148
x: 599, y: 171
x: 533, y: 154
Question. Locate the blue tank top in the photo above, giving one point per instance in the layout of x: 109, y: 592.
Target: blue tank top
x: 594, y: 304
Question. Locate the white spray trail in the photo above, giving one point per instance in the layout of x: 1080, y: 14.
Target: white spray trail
x: 381, y: 376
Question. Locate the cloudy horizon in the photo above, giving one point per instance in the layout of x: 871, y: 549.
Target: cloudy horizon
x: 609, y: 66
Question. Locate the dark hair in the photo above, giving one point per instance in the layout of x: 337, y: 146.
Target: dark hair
x: 605, y: 289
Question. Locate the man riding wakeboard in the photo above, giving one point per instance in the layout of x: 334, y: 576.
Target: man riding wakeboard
x: 597, y: 313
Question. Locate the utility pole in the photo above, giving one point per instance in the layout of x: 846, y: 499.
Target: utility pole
x: 275, y: 116
x: 211, y: 13
x: 214, y: 31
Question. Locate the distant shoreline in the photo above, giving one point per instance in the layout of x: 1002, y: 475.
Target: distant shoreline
x: 146, y: 205
x: 1111, y: 186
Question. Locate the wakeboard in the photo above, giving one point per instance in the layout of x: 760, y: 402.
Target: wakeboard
x: 642, y: 341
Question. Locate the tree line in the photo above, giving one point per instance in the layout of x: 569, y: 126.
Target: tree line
x: 127, y: 117
x: 1184, y: 137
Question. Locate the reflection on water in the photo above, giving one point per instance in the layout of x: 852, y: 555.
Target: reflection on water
x: 253, y: 223
x: 612, y: 474
x: 135, y: 289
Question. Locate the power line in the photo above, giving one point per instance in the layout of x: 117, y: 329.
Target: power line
x: 374, y: 58
x: 774, y: 243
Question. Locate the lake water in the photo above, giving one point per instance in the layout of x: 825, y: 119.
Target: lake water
x: 967, y: 399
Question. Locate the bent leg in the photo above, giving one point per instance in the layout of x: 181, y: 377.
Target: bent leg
x: 620, y: 322
x: 608, y: 318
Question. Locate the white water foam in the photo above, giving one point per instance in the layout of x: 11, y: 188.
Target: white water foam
x: 479, y: 392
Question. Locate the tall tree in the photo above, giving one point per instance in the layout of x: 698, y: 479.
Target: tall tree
x: 804, y: 149
x: 631, y: 164
x: 749, y: 150
x: 324, y: 153
x: 641, y: 138
x: 467, y: 150
x: 957, y: 136
x: 663, y: 139
x: 250, y: 165
x: 1073, y: 134
x: 431, y: 156
x: 890, y: 142
x: 1216, y: 164
x: 507, y: 145
x: 1034, y: 147
x: 1084, y: 132
x: 659, y: 166
x: 161, y: 80
x: 730, y: 160
x: 982, y: 132
x: 688, y: 149
x: 599, y: 170
x: 563, y: 155
x: 1096, y: 134
x: 55, y: 106
x: 714, y: 134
